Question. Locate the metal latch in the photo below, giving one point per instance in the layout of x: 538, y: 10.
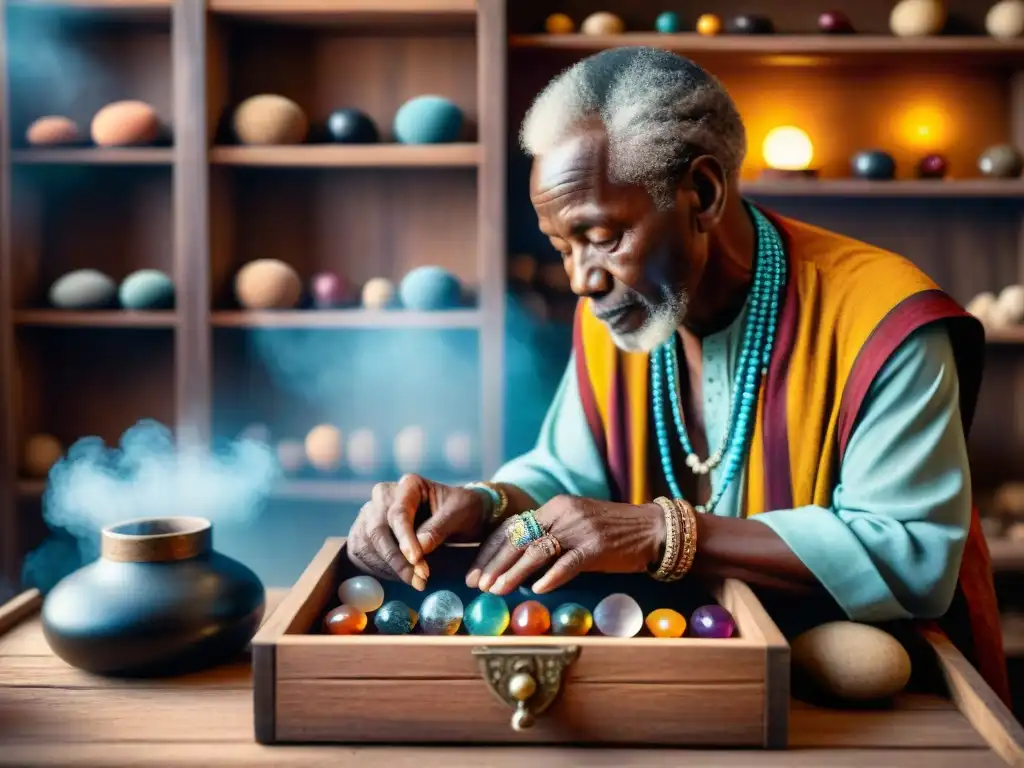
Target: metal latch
x: 528, y: 679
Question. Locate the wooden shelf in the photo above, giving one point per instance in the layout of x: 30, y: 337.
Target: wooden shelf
x: 347, y: 318
x: 364, y: 156
x: 949, y: 188
x: 1013, y: 635
x: 425, y: 15
x: 116, y: 318
x: 28, y: 489
x: 1005, y: 335
x: 1006, y: 554
x: 94, y: 156
x: 732, y: 50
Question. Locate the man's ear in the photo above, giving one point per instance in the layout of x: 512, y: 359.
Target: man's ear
x: 707, y: 178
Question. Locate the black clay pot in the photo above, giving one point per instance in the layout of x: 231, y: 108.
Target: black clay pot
x: 158, y: 601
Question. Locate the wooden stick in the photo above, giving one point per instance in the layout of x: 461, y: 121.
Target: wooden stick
x: 18, y: 608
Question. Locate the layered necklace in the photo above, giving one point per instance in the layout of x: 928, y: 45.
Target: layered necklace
x: 755, y: 353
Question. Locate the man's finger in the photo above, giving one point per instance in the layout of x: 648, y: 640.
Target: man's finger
x: 383, y: 541
x: 401, y: 513
x: 487, y: 552
x: 447, y: 519
x: 566, y: 568
x: 539, y: 553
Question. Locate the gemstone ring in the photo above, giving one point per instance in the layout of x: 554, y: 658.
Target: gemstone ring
x: 523, y: 530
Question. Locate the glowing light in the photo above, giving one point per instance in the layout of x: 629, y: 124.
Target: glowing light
x: 924, y: 127
x: 787, y: 148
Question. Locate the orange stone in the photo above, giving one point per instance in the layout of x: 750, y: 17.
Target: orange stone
x: 345, y: 620
x: 709, y: 24
x: 531, y: 618
x: 665, y: 622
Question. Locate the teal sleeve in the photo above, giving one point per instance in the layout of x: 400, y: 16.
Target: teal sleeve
x: 565, y: 459
x: 890, y: 546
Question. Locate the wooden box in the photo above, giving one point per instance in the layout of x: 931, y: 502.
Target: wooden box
x: 312, y: 687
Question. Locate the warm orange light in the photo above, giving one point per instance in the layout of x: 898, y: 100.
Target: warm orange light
x: 924, y: 127
x: 787, y: 148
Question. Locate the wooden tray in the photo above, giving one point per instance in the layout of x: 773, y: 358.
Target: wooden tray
x: 311, y: 687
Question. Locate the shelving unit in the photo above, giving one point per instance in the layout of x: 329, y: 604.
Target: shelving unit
x: 201, y: 208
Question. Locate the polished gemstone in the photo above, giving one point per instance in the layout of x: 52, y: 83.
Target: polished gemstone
x: 712, y: 621
x: 441, y: 613
x: 345, y: 620
x: 395, y: 618
x: 619, y: 615
x: 487, y: 614
x: 571, y: 619
x: 665, y: 622
x: 362, y: 592
x: 531, y: 618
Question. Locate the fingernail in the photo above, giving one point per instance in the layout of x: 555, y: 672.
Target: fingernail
x: 498, y: 585
x: 421, y: 570
x: 410, y: 556
x: 419, y: 583
x: 538, y: 587
x: 473, y: 578
x: 485, y: 582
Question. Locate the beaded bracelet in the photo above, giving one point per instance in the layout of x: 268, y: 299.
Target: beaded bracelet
x: 688, y: 549
x: 673, y: 536
x: 497, y: 500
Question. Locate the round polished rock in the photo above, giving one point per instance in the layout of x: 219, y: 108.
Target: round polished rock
x: 619, y: 615
x: 395, y: 618
x: 750, y: 24
x: 712, y: 621
x: 667, y: 22
x: 441, y: 613
x: 486, y: 614
x: 1003, y: 161
x: 571, y: 619
x: 835, y: 23
x: 345, y: 620
x: 362, y: 592
x: 932, y: 167
x: 873, y: 164
x: 665, y: 622
x: 531, y: 618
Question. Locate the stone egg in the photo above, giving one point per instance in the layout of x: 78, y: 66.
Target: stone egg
x: 364, y: 593
x: 441, y: 613
x: 146, y: 289
x: 982, y: 306
x: 835, y: 23
x: 917, y: 18
x: 329, y: 290
x: 323, y: 447
x: 83, y: 289
x: 458, y: 452
x: 410, y: 449
x: 350, y: 126
x: 602, y: 23
x: 267, y: 284
x: 1002, y: 161
x: 124, y: 124
x: 932, y: 166
x: 1005, y: 19
x: 750, y: 24
x: 709, y: 25
x: 291, y: 455
x: 51, y: 131
x: 40, y: 453
x: 1010, y: 305
x: 269, y: 119
x: 873, y: 164
x: 852, y: 661
x: 558, y: 24
x: 667, y: 23
x: 378, y: 293
x: 361, y: 452
x: 428, y: 120
x: 430, y: 288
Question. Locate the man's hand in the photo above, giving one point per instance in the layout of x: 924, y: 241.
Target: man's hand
x: 583, y: 535
x: 383, y: 541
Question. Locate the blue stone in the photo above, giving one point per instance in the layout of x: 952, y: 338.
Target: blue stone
x: 428, y: 120
x: 147, y: 289
x: 486, y: 615
x: 427, y: 289
x: 873, y: 164
x: 667, y: 22
x: 394, y: 618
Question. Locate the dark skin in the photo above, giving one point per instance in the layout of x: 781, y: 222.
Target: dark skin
x: 626, y: 255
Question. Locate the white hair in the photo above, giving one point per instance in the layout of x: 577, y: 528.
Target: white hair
x: 660, y: 111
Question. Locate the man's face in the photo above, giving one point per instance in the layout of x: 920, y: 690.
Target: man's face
x: 635, y: 262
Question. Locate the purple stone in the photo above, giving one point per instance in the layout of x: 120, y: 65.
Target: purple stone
x: 712, y: 622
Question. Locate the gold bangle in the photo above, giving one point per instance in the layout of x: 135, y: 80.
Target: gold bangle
x: 673, y: 535
x: 688, y: 547
x: 500, y: 508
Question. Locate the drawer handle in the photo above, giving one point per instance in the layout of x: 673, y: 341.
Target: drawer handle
x: 528, y: 679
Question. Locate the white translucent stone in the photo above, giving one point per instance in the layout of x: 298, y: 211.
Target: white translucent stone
x: 619, y: 615
x: 441, y: 613
x: 362, y: 592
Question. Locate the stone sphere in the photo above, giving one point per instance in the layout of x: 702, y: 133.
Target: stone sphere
x: 83, y: 289
x: 559, y: 24
x: 835, y: 23
x: 750, y: 24
x: 291, y: 455
x: 51, y: 131
x: 124, y: 124
x: 430, y: 288
x: 328, y: 290
x: 852, y: 661
x: 147, y: 289
x: 378, y: 293
x: 667, y: 22
x: 363, y: 593
x: 350, y: 126
x: 932, y: 167
x: 602, y: 23
x: 982, y: 306
x: 458, y: 452
x: 40, y: 453
x: 619, y: 615
x: 873, y: 164
x: 410, y: 449
x: 917, y: 18
x: 323, y: 447
x: 361, y: 452
x: 428, y: 120
x: 1003, y: 161
x: 269, y: 119
x: 1005, y: 19
x: 709, y: 24
x: 441, y: 613
x: 268, y: 284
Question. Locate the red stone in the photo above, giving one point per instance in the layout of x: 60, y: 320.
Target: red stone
x: 932, y: 167
x: 345, y: 620
x: 531, y: 618
x: 835, y: 23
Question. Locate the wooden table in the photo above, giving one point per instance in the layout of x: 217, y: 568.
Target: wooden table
x: 52, y: 714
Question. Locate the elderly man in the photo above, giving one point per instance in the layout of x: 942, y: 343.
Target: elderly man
x: 747, y: 396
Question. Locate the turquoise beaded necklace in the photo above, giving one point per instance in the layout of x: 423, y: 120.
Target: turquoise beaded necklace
x: 755, y: 353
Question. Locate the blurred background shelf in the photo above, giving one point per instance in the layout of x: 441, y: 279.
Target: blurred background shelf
x: 348, y: 318
x: 96, y: 318
x: 946, y: 188
x: 94, y: 156
x: 371, y: 156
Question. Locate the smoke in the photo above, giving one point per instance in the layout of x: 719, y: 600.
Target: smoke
x: 148, y: 474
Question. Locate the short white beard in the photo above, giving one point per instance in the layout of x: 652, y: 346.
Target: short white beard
x: 662, y: 321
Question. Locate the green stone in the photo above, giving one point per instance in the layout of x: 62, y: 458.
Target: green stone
x: 571, y: 619
x: 486, y: 615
